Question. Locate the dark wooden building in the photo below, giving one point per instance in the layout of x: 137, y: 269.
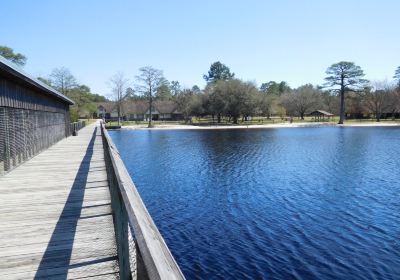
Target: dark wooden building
x: 33, y: 116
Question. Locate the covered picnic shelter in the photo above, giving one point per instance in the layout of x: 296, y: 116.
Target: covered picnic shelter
x: 321, y: 115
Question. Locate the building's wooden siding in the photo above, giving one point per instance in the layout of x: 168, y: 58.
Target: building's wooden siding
x: 31, y: 120
x: 18, y: 96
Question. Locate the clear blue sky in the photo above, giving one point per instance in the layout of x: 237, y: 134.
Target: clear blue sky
x: 259, y: 40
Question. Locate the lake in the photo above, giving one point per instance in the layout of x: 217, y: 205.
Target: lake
x: 287, y: 203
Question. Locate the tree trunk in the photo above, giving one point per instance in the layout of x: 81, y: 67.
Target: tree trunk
x: 378, y: 116
x: 302, y: 115
x: 219, y: 118
x: 342, y: 105
x: 235, y: 119
x: 119, y: 113
x: 151, y: 113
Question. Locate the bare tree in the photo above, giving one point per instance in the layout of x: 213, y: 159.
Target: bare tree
x: 118, y: 84
x: 330, y: 101
x: 62, y: 79
x: 148, y: 82
x: 395, y: 102
x: 301, y: 100
x: 267, y: 104
x: 378, y: 98
x: 355, y: 106
x: 184, y: 100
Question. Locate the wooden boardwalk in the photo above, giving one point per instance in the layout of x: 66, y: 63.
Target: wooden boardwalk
x: 55, y: 214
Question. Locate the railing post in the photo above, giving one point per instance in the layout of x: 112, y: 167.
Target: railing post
x: 141, y: 272
x: 120, y: 218
x: 123, y: 254
x: 121, y: 232
x: 142, y: 251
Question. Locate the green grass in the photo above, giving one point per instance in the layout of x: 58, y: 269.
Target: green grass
x: 155, y: 123
x: 254, y: 121
x: 371, y: 120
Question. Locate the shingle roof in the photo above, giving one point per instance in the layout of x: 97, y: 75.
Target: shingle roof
x: 15, y: 71
x: 108, y: 105
x: 135, y: 107
x: 140, y: 106
x: 165, y: 107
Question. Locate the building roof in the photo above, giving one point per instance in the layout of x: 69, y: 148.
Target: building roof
x: 107, y: 105
x: 321, y: 112
x: 140, y: 106
x: 13, y: 70
x: 135, y: 107
x: 165, y: 107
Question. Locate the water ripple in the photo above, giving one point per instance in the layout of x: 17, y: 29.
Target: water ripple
x: 309, y: 203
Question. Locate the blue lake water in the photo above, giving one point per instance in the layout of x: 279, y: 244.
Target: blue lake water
x: 292, y: 203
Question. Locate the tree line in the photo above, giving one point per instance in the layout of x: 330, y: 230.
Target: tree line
x: 345, y: 92
x: 63, y: 81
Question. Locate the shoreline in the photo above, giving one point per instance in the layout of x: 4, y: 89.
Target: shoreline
x: 255, y: 126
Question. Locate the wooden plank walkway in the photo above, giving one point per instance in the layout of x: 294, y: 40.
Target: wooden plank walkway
x: 55, y: 214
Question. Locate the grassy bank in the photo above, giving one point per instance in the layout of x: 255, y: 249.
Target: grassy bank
x: 254, y: 121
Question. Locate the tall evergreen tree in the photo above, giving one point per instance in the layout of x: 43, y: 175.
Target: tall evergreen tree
x: 343, y: 77
x: 218, y: 72
x: 9, y: 54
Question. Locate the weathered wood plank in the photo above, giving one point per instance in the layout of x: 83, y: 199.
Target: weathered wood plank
x: 75, y: 272
x: 55, y: 214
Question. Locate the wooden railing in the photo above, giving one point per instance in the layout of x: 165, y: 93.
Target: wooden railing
x: 76, y: 126
x: 142, y: 252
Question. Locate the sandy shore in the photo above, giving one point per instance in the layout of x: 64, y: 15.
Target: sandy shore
x: 280, y: 125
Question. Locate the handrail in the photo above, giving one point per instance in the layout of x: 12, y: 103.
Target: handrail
x: 130, y: 213
x: 75, y: 126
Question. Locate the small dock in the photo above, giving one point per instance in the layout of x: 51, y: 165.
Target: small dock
x: 56, y: 216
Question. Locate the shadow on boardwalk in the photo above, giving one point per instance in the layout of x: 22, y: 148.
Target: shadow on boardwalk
x: 57, y: 257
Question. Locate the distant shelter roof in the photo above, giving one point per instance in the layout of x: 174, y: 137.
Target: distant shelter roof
x: 321, y: 113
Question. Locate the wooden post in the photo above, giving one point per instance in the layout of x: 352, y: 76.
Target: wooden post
x: 121, y: 228
x: 141, y: 272
x: 120, y: 220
